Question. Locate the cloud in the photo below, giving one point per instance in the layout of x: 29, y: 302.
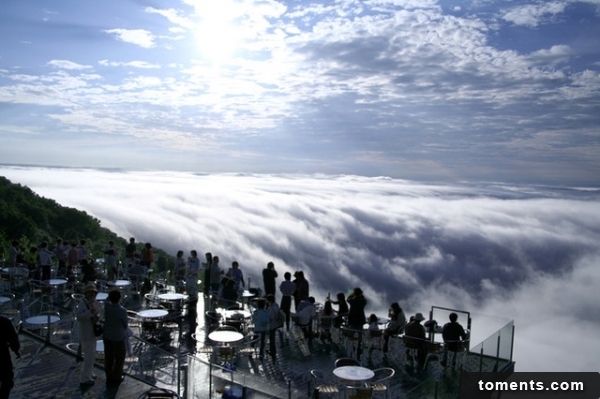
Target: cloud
x: 133, y: 64
x: 526, y: 253
x: 69, y: 65
x: 139, y: 37
x: 533, y: 14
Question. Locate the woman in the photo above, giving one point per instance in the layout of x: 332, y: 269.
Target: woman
x: 87, y: 315
x: 342, y: 310
x: 356, y: 314
x: 395, y: 326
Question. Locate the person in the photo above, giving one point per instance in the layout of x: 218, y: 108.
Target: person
x: 130, y: 251
x: 356, y: 314
x: 215, y: 274
x: 326, y: 318
x: 115, y: 325
x: 228, y: 294
x: 191, y: 282
x: 273, y: 310
x: 269, y: 275
x: 179, y: 271
x: 342, y: 310
x: 147, y: 255
x: 8, y: 339
x: 305, y: 314
x: 452, y: 333
x: 415, y: 329
x: 395, y: 326
x: 45, y: 261
x: 88, y: 314
x: 237, y: 275
x: 302, y: 288
x: 207, y: 265
x: 60, y: 253
x: 287, y: 288
x: 73, y: 259
x: 13, y: 253
x: 373, y: 322
x: 82, y: 252
x: 110, y: 262
x: 260, y: 318
x: 88, y: 271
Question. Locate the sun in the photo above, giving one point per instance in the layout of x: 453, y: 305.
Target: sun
x: 218, y: 33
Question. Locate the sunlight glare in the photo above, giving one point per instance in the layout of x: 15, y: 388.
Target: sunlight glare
x: 218, y: 32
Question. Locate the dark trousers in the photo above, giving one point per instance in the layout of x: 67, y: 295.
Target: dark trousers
x: 6, y: 383
x: 286, y: 306
x: 46, y: 272
x: 114, y: 359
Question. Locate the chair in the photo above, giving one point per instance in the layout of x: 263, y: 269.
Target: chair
x: 352, y: 339
x: 434, y: 350
x: 375, y: 341
x: 381, y: 380
x: 364, y: 392
x: 323, y: 384
x: 455, y: 349
x: 213, y: 320
x: 159, y: 393
x: 412, y: 346
x: 235, y: 323
x: 249, y: 346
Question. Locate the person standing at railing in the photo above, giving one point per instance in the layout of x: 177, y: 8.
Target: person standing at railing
x: 452, y: 333
x: 287, y: 288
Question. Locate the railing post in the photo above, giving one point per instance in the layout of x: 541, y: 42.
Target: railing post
x: 512, y: 342
x: 498, y: 352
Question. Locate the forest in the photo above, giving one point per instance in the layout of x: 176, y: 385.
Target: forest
x: 31, y: 219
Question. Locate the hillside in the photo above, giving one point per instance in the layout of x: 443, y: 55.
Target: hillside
x: 32, y: 219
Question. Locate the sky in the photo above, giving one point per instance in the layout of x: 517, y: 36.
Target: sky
x: 526, y: 253
x: 450, y: 91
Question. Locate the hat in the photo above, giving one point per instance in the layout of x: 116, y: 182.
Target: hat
x: 419, y: 317
x: 90, y: 288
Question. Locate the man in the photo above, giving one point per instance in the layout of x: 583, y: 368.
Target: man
x: 287, y: 288
x: 45, y: 261
x: 260, y: 318
x: 8, y: 339
x: 269, y: 276
x: 305, y: 315
x: 273, y: 310
x: 130, y: 251
x: 415, y: 329
x: 115, y: 324
x: 453, y: 333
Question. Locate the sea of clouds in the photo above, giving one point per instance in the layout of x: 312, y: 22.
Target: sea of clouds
x: 503, y: 252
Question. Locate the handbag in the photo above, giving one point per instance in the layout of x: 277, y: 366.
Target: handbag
x: 98, y: 329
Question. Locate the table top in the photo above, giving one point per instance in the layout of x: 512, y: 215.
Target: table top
x: 248, y: 294
x: 119, y: 283
x: 230, y: 314
x: 152, y: 313
x: 102, y: 296
x: 225, y: 336
x: 353, y: 373
x: 171, y: 296
x: 99, y: 345
x: 42, y: 319
x: 55, y: 281
x: 4, y: 299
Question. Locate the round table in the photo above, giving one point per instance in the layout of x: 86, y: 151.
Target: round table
x: 102, y: 296
x: 152, y: 313
x: 171, y: 296
x: 225, y: 337
x: 353, y: 373
x: 4, y: 299
x: 55, y: 281
x: 233, y: 314
x: 119, y: 283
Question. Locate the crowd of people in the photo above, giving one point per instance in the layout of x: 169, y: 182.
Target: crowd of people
x: 225, y: 287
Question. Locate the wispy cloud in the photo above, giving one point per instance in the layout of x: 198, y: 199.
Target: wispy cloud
x: 69, y: 65
x: 526, y: 253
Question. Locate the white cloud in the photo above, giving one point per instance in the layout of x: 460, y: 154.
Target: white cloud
x: 66, y: 64
x: 515, y: 252
x: 533, y: 14
x: 139, y: 37
x: 133, y: 64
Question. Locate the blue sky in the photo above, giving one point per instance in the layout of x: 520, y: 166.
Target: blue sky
x: 412, y: 89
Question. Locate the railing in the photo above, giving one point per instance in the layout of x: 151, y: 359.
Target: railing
x: 495, y: 353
